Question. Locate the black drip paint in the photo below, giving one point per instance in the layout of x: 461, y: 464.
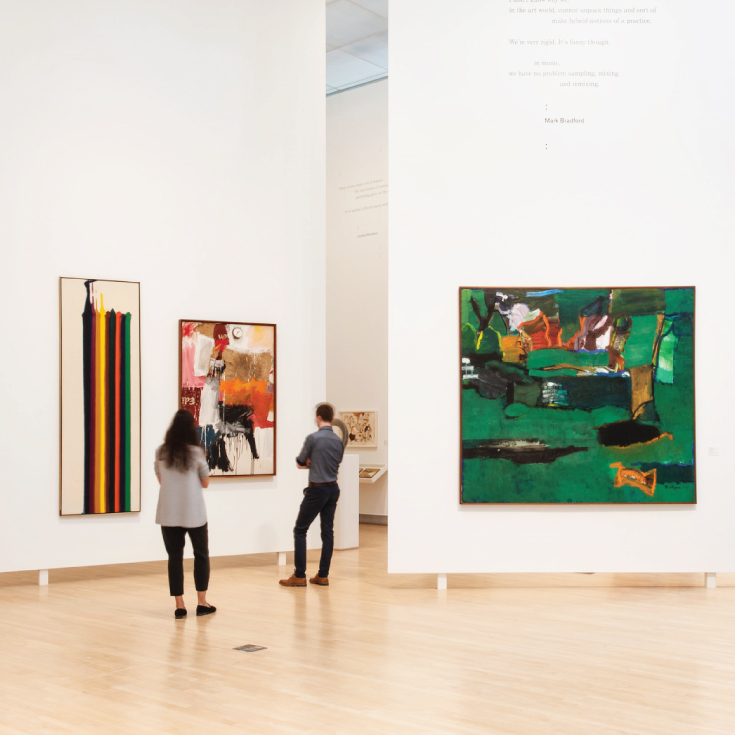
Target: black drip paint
x: 87, y: 383
x: 218, y: 459
x: 238, y: 420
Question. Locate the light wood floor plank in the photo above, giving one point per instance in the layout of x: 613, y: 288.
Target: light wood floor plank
x: 98, y: 651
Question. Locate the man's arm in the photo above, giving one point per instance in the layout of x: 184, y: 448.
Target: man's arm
x: 304, y: 459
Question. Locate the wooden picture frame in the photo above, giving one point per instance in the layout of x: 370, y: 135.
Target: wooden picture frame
x: 637, y: 343
x: 227, y: 380
x: 100, y: 397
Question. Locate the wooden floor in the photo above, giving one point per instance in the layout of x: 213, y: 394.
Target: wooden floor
x: 98, y: 651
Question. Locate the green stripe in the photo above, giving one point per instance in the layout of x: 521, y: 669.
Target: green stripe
x: 126, y: 355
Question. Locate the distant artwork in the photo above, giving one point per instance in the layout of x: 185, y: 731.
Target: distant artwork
x: 577, y: 395
x: 100, y: 396
x: 368, y: 472
x: 362, y: 427
x: 228, y: 383
x: 341, y: 430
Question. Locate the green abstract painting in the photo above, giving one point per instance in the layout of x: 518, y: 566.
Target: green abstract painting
x: 577, y: 395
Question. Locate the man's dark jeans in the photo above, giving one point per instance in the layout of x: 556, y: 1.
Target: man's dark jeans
x: 319, y: 500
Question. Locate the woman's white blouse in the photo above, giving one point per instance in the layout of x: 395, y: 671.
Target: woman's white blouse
x: 181, y: 500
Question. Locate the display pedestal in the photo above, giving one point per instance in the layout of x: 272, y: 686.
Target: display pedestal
x: 42, y: 577
x: 381, y: 470
x: 281, y: 558
x: 347, y: 517
x: 441, y: 581
x: 710, y: 580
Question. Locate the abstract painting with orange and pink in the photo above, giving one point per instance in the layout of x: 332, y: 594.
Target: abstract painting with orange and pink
x: 227, y: 382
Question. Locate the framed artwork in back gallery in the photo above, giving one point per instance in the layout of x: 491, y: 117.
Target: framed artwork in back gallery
x: 100, y: 396
x: 577, y: 395
x: 227, y: 381
x: 362, y: 428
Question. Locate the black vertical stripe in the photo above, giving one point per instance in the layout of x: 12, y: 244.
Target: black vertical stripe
x: 87, y: 357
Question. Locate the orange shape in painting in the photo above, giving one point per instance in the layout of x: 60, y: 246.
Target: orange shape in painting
x: 513, y: 349
x: 253, y: 393
x: 541, y: 332
x: 537, y: 331
x: 645, y: 481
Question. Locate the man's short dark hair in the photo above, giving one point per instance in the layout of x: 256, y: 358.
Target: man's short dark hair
x: 325, y: 411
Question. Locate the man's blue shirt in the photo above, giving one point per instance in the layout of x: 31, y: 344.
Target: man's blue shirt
x: 325, y: 450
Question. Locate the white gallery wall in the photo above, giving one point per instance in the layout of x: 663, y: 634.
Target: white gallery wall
x: 179, y: 143
x: 489, y: 188
x: 357, y: 268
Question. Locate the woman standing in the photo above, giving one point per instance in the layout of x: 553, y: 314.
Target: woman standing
x: 182, y: 471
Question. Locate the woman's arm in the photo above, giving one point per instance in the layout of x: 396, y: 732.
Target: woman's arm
x: 204, y: 481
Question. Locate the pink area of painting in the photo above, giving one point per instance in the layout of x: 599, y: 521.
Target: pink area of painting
x: 187, y: 329
x: 188, y: 350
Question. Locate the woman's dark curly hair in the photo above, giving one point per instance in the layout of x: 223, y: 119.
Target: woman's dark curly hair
x: 181, y: 435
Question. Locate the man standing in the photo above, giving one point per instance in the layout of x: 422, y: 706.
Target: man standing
x: 321, y: 455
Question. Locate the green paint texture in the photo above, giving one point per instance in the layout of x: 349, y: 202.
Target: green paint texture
x: 584, y: 476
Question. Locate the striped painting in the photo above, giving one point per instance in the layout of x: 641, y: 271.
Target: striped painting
x: 100, y: 397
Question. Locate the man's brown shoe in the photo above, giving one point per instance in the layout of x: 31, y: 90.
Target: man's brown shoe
x: 293, y: 581
x: 323, y: 581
